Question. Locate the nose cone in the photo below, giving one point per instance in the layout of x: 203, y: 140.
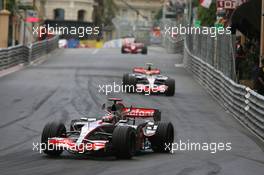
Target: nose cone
x: 133, y: 47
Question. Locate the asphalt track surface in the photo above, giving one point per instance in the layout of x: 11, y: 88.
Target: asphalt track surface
x: 66, y: 87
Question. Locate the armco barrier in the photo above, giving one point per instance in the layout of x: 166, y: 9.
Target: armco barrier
x: 41, y: 48
x: 20, y: 54
x: 13, y: 56
x: 245, y: 104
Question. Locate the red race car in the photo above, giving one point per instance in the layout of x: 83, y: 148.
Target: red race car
x: 134, y: 47
x: 122, y: 132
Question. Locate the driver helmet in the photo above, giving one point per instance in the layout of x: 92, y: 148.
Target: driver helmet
x: 108, y: 119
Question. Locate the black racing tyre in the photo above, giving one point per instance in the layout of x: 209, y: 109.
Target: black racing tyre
x: 144, y: 50
x: 157, y: 115
x: 133, y: 84
x: 124, y: 142
x: 125, y: 79
x: 123, y: 49
x: 171, y: 87
x: 129, y: 83
x: 53, y: 129
x: 163, y: 137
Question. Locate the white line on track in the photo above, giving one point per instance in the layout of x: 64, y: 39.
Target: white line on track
x: 95, y: 51
x: 11, y: 70
x: 179, y: 65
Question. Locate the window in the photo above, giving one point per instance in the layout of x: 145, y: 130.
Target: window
x: 81, y: 15
x: 59, y: 14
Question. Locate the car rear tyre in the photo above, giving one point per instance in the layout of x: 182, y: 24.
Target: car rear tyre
x: 124, y: 142
x: 145, y: 50
x: 163, y: 137
x: 157, y: 115
x: 171, y: 87
x: 53, y: 129
x: 125, y: 79
x: 123, y: 50
x: 129, y: 83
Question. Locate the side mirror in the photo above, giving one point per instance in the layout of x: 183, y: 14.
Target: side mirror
x: 103, y: 106
x: 130, y: 109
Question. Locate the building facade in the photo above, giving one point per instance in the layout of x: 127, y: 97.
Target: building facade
x: 138, y: 10
x: 76, y: 10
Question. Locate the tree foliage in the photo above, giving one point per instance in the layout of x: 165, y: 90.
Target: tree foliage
x: 207, y: 16
x: 10, y: 5
x: 158, y: 15
x: 106, y: 11
x: 110, y: 9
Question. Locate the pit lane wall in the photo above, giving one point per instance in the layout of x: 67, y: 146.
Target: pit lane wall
x: 20, y: 54
x: 245, y: 104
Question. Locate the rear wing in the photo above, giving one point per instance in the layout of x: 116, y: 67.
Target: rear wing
x: 144, y: 71
x: 139, y: 112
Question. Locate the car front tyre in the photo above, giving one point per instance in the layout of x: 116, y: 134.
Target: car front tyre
x: 163, y: 137
x: 124, y: 142
x: 53, y: 129
x: 129, y: 83
x: 144, y: 50
x: 170, y: 83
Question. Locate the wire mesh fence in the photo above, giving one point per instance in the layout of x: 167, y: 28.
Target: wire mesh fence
x: 217, y: 51
x: 141, y: 30
x: 172, y: 42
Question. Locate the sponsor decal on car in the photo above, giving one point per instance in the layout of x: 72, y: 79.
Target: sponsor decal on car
x: 140, y: 112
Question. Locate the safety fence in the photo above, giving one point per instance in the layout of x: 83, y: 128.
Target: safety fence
x: 172, y: 43
x: 139, y: 29
x: 245, y: 104
x: 217, y: 51
x: 20, y: 54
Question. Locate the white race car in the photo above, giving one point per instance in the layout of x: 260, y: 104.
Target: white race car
x: 148, y: 80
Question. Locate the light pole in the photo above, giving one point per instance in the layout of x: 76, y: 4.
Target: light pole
x: 262, y: 35
x: 190, y: 11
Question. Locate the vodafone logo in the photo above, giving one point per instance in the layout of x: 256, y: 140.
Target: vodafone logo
x: 141, y: 112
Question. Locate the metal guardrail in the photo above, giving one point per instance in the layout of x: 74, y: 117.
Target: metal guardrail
x: 20, y: 54
x: 245, y: 104
x: 13, y: 56
x: 41, y: 48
